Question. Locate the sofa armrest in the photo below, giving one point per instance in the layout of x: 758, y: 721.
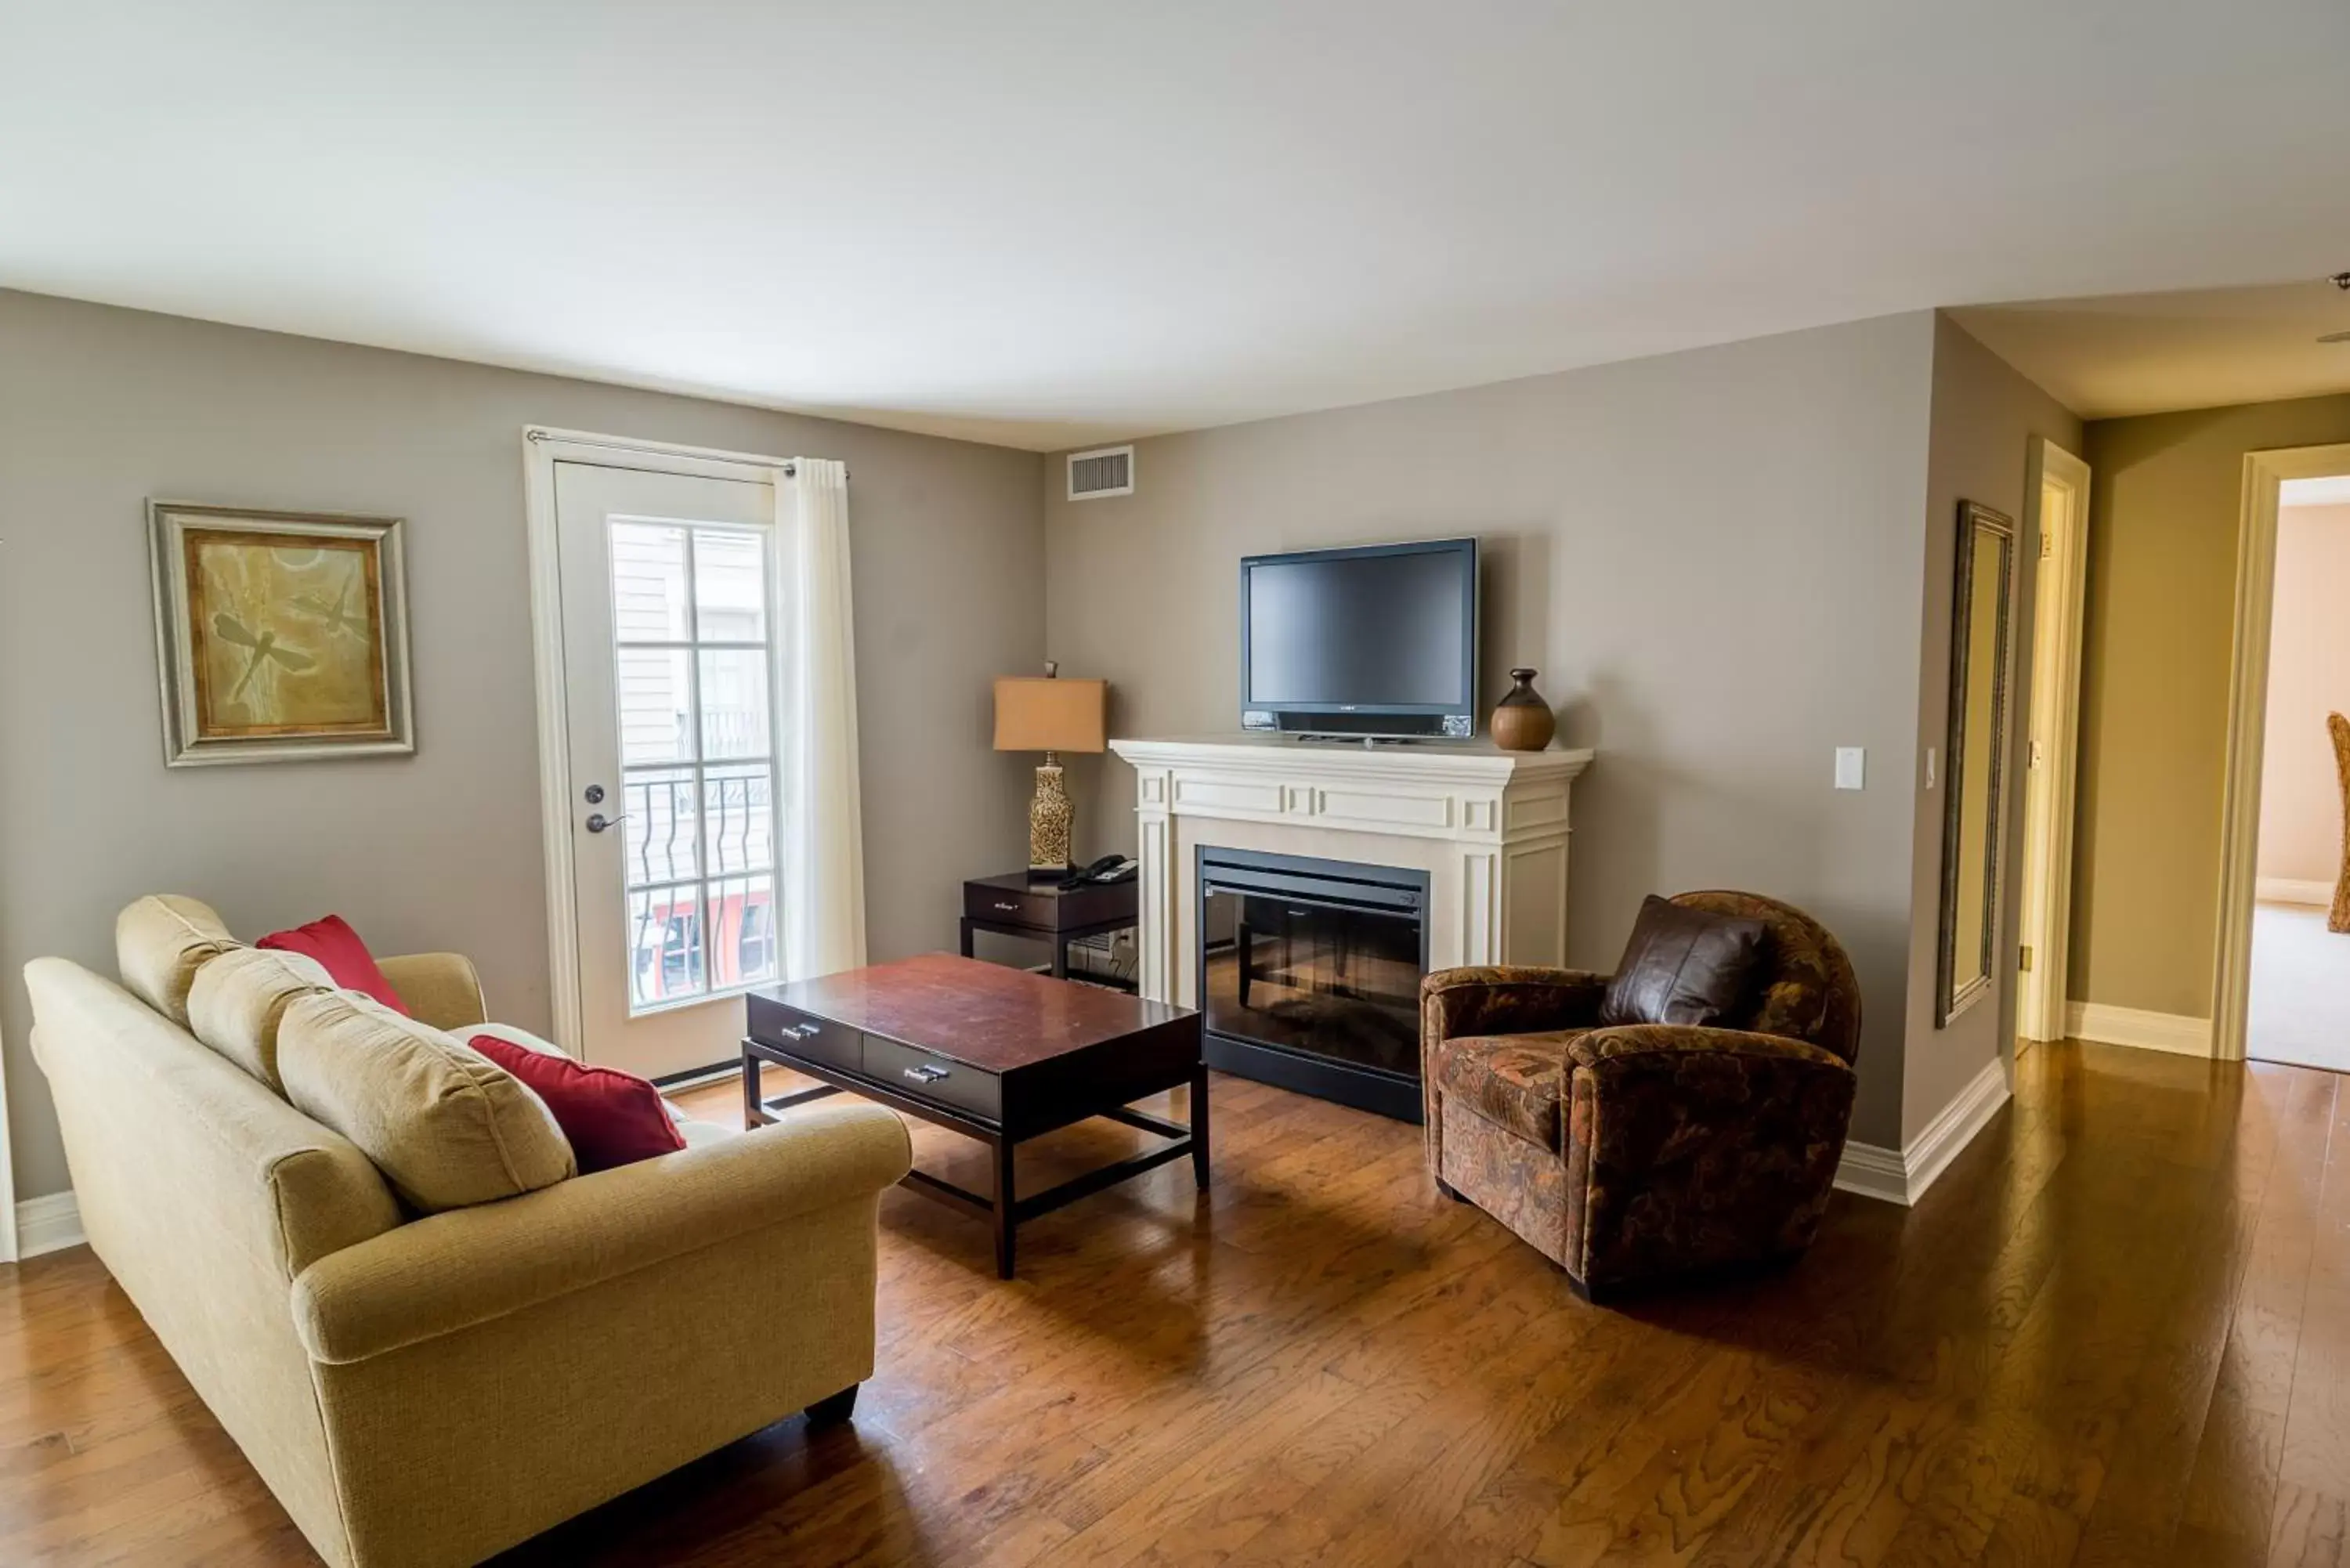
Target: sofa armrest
x: 448, y: 1273
x: 1507, y: 999
x: 441, y: 990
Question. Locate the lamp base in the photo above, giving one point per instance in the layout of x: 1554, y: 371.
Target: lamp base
x: 1050, y: 814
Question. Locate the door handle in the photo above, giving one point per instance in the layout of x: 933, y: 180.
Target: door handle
x: 600, y: 822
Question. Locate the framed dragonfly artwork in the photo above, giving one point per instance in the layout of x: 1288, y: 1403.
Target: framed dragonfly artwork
x: 282, y: 636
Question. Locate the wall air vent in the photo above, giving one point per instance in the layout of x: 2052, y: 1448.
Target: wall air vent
x: 1104, y: 471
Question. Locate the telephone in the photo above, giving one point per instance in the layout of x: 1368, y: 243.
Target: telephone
x: 1108, y: 869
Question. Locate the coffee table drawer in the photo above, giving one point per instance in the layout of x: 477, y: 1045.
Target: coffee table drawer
x: 802, y: 1035
x: 913, y: 1072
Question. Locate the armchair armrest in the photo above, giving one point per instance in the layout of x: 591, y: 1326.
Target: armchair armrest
x: 1631, y: 1041
x: 1507, y: 999
x: 447, y: 1273
x: 441, y: 990
x: 1688, y: 1148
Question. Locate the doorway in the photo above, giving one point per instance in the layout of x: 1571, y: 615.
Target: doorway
x: 2298, y: 1006
x: 2056, y: 489
x: 657, y: 606
x: 2282, y: 992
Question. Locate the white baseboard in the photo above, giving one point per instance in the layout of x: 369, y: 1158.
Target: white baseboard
x: 1902, y: 1176
x: 2287, y: 890
x: 2172, y: 1032
x: 47, y: 1224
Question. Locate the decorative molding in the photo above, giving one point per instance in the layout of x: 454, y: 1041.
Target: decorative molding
x: 49, y: 1224
x: 2108, y: 1025
x: 1868, y: 1170
x: 2292, y: 890
x: 2047, y: 900
x: 1902, y: 1176
x: 1468, y: 814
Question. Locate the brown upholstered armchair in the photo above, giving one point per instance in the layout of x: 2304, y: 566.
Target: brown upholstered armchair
x: 1641, y: 1152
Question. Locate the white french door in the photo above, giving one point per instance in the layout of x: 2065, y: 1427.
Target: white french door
x: 668, y: 637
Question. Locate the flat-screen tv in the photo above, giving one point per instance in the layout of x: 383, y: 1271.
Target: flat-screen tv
x: 1380, y: 639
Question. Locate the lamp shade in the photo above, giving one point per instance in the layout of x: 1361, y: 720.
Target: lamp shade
x: 1034, y: 713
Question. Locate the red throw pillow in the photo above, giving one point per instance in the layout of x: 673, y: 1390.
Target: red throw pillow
x: 341, y: 954
x: 612, y: 1118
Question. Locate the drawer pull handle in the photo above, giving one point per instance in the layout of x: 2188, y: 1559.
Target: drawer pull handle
x: 1008, y: 907
x: 804, y: 1031
x: 926, y: 1073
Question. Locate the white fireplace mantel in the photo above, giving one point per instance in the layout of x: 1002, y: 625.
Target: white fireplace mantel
x: 1488, y: 827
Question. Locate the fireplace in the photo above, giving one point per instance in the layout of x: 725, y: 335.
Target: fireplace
x: 1309, y: 974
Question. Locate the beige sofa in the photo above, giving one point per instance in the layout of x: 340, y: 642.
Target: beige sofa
x: 429, y: 1391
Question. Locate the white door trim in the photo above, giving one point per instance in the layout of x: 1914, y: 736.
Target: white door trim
x: 2248, y: 684
x: 542, y: 449
x: 2048, y: 902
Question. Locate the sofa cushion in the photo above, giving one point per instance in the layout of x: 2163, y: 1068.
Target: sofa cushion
x: 331, y: 941
x: 159, y: 943
x: 1683, y: 966
x: 238, y: 1000
x: 447, y: 1127
x: 1514, y: 1081
x: 608, y: 1117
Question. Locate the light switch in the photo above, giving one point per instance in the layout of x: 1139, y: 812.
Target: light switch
x: 1852, y: 763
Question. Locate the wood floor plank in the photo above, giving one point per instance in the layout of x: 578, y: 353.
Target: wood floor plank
x: 2117, y: 1330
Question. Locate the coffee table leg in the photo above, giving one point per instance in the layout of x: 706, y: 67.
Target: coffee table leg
x: 1006, y: 1200
x: 1199, y: 1125
x: 752, y: 1114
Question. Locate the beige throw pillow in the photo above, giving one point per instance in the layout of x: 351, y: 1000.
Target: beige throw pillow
x: 239, y: 999
x: 159, y: 943
x: 447, y: 1127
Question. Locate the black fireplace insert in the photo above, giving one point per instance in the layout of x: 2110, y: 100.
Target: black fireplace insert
x: 1309, y: 975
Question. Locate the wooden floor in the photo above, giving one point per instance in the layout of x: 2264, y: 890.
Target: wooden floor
x: 2117, y: 1332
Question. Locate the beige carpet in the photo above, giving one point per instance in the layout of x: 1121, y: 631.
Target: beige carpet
x: 2300, y: 988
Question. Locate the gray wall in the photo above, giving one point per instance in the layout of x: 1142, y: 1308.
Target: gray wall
x: 100, y: 409
x: 1713, y: 557
x: 1984, y: 416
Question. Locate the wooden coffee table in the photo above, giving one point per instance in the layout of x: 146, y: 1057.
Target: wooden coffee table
x: 996, y: 1054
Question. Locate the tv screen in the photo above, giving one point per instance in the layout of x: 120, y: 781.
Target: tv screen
x: 1384, y: 629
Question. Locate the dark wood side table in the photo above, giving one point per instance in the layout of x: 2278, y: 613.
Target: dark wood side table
x: 1014, y: 906
x: 996, y: 1054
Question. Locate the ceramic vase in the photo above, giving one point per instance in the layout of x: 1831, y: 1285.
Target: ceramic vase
x: 1522, y: 722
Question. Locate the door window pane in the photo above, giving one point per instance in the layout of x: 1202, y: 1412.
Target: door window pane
x: 691, y: 623
x: 664, y: 826
x: 655, y: 688
x: 730, y: 586
x: 734, y: 703
x: 740, y: 818
x: 742, y: 930
x: 665, y: 959
x: 649, y: 597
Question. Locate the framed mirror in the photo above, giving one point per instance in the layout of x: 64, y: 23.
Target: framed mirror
x: 1974, y: 786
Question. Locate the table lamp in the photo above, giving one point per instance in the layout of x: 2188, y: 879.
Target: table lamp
x: 1049, y: 715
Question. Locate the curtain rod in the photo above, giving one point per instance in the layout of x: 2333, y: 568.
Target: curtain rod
x: 789, y: 469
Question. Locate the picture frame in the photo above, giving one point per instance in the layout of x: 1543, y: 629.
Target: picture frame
x: 1974, y: 777
x: 280, y: 636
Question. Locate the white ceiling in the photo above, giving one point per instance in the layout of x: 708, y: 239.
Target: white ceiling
x: 1042, y: 222
x: 2195, y: 348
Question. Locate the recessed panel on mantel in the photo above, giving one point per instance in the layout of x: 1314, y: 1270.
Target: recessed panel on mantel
x: 1385, y: 809
x: 1227, y: 794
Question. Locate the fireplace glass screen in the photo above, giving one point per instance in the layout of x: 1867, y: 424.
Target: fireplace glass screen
x: 1320, y: 960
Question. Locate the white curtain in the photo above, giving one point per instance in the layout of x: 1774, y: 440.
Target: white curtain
x: 823, y: 849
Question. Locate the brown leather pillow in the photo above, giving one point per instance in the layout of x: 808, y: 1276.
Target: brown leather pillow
x: 1683, y: 966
